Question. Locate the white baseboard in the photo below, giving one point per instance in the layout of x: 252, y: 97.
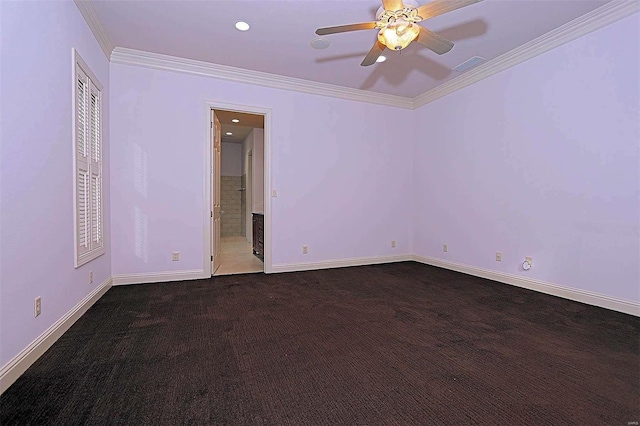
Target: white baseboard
x: 19, y: 363
x: 342, y: 263
x: 588, y: 297
x: 156, y: 277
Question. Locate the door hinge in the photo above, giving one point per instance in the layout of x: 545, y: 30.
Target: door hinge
x: 212, y: 258
x: 211, y: 214
x: 212, y: 124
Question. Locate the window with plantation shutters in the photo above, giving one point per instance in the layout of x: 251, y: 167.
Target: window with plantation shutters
x: 87, y: 135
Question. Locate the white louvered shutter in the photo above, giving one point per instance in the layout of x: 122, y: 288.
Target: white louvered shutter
x: 83, y: 207
x: 88, y: 153
x: 96, y: 169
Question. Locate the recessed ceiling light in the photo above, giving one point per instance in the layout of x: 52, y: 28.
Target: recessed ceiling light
x: 235, y: 120
x: 242, y: 26
x: 319, y: 43
x: 229, y: 134
x: 381, y: 58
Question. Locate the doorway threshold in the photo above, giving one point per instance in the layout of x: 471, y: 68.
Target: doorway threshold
x: 237, y: 257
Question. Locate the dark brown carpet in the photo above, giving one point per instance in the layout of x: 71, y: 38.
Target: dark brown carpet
x: 401, y: 343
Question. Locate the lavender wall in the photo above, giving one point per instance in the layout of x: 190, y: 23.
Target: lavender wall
x: 36, y: 168
x: 339, y: 168
x: 540, y: 160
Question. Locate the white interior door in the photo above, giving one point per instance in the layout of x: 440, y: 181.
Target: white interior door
x: 216, y: 211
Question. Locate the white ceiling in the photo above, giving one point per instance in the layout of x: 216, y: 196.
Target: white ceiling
x: 278, y: 41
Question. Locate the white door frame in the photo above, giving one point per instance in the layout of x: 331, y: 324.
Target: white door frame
x: 208, y: 179
x: 248, y: 208
x: 216, y: 176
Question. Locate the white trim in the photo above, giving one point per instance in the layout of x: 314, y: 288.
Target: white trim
x: 94, y: 252
x: 208, y: 176
x: 342, y: 263
x: 266, y: 170
x: 157, y: 277
x: 121, y: 55
x: 23, y: 360
x: 90, y: 16
x: 579, y: 27
x: 583, y: 296
x: 77, y: 60
x: 598, y: 18
x: 207, y: 203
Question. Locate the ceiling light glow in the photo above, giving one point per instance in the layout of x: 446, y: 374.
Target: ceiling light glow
x: 242, y: 26
x: 399, y: 34
x: 229, y: 134
x: 235, y: 120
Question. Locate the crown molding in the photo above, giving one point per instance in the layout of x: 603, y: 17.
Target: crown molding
x: 89, y: 14
x: 598, y: 18
x: 126, y: 56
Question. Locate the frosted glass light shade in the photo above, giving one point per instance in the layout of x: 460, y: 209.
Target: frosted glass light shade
x: 399, y: 34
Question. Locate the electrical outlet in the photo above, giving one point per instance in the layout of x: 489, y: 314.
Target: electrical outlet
x: 37, y: 306
x: 90, y: 277
x: 305, y: 249
x: 175, y: 256
x: 445, y: 248
x: 529, y: 259
x: 498, y: 256
x: 393, y: 243
x: 274, y: 193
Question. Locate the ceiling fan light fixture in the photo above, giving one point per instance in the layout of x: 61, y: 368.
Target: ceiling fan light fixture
x: 398, y: 28
x: 399, y: 34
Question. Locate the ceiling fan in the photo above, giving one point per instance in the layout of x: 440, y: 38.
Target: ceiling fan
x: 397, y: 22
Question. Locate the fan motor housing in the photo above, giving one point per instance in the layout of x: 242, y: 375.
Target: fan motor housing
x: 407, y: 4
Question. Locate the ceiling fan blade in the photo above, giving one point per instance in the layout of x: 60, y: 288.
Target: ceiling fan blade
x: 345, y: 28
x: 373, y: 54
x: 438, y: 7
x: 434, y: 41
x: 392, y: 5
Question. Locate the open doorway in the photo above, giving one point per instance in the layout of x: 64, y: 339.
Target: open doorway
x: 241, y: 193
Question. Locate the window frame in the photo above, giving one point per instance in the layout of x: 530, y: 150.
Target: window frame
x: 87, y: 165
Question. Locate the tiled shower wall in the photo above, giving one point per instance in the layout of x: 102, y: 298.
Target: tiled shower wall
x: 243, y: 207
x: 231, y: 205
